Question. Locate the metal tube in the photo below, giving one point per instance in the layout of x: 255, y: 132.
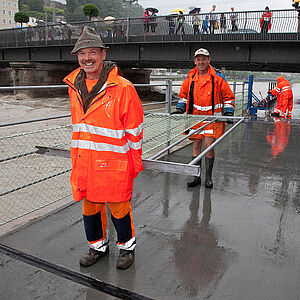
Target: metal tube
x: 28, y: 87
x: 168, y: 95
x: 180, y: 140
x: 197, y: 159
x: 33, y: 87
x: 34, y: 120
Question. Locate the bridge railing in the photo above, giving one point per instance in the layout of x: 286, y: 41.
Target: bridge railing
x: 237, y: 26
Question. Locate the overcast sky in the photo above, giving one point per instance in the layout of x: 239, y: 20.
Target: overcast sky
x: 165, y: 6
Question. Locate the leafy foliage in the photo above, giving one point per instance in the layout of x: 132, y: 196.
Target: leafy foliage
x: 21, y: 17
x: 73, y: 10
x: 90, y: 10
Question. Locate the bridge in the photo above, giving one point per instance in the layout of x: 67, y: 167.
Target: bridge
x: 133, y: 46
x: 244, y: 49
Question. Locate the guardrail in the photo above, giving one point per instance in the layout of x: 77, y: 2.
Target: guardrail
x: 246, y: 26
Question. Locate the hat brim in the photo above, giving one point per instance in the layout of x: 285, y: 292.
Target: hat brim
x: 87, y: 44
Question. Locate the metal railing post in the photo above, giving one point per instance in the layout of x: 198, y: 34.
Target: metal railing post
x: 234, y: 88
x: 168, y: 95
x: 250, y: 87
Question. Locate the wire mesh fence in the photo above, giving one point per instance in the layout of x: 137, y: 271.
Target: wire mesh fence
x: 28, y: 180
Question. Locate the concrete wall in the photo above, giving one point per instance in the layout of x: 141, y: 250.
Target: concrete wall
x: 32, y: 74
x: 27, y: 74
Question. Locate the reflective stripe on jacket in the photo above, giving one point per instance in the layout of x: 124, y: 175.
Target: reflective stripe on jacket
x: 106, y: 143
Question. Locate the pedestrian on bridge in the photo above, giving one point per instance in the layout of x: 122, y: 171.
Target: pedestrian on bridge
x: 205, y: 92
x: 180, y: 20
x: 106, y: 148
x: 265, y: 20
x: 283, y: 92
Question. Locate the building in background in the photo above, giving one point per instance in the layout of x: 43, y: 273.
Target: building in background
x: 8, y: 8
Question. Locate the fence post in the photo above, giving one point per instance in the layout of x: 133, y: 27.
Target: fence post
x: 250, y: 87
x: 169, y: 92
x: 243, y: 96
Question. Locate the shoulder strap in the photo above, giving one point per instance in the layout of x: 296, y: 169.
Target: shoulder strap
x: 191, y: 97
x: 212, y: 94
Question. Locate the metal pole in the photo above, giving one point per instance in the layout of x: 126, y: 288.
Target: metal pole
x: 46, y: 22
x: 250, y: 87
x: 168, y: 95
x: 197, y: 159
x: 180, y: 140
x: 243, y: 96
x: 34, y: 120
x: 234, y: 88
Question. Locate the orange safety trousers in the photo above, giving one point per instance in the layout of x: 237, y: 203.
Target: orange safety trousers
x: 95, y: 224
x: 284, y: 107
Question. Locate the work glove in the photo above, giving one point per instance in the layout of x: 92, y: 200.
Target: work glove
x: 177, y: 112
x: 229, y: 114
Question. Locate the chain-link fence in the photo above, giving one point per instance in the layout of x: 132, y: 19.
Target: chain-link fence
x: 30, y: 181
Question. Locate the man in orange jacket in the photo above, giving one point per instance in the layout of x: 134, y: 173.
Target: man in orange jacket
x: 283, y: 92
x: 106, y: 148
x: 205, y: 92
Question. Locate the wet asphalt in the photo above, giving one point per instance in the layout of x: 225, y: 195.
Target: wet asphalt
x: 239, y: 240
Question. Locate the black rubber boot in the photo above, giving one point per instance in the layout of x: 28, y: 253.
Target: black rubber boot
x: 197, y: 179
x: 275, y: 114
x: 209, y: 163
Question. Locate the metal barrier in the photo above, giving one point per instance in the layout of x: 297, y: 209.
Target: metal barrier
x: 30, y: 181
x: 284, y: 26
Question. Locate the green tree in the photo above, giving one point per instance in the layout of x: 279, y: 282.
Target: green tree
x: 90, y: 10
x: 21, y: 17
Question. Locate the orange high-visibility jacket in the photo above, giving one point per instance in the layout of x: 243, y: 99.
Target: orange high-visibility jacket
x: 282, y: 90
x: 106, y: 143
x: 223, y: 96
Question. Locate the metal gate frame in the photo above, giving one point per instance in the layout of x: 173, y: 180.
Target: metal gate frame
x: 171, y: 167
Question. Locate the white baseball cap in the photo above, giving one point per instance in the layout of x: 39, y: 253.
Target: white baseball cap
x: 201, y: 51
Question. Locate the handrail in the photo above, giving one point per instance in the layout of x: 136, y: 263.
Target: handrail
x: 284, y: 25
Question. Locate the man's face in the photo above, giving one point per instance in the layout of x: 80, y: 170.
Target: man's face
x: 91, y: 61
x: 202, y: 62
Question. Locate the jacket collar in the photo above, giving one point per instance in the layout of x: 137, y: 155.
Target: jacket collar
x: 211, y: 71
x: 111, y: 79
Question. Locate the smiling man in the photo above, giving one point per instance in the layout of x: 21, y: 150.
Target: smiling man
x: 106, y: 148
x: 205, y: 92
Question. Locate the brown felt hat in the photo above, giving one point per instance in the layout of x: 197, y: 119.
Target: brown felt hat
x: 88, y: 39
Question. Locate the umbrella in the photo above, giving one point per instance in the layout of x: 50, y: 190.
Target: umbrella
x: 153, y: 9
x: 109, y: 19
x: 195, y: 10
x: 178, y: 10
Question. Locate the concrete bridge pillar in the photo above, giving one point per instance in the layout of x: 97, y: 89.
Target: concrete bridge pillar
x: 28, y: 73
x: 31, y: 74
x: 6, y: 76
x: 137, y: 75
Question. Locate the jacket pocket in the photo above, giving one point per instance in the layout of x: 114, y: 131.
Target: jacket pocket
x: 109, y: 177
x: 111, y: 165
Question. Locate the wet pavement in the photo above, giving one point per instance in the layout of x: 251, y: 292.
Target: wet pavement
x: 239, y: 240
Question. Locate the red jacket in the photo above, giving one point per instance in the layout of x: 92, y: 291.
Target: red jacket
x: 266, y: 16
x: 106, y: 141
